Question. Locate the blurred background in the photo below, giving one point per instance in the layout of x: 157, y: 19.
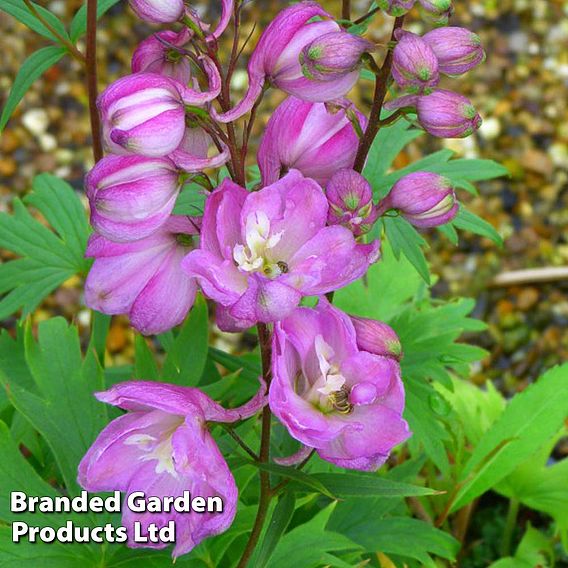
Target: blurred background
x: 521, y: 91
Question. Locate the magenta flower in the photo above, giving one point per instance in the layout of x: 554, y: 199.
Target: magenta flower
x: 162, y: 447
x: 158, y: 54
x: 143, y: 278
x: 333, y: 55
x: 276, y: 59
x: 158, y: 11
x: 131, y: 196
x: 415, y: 66
x: 344, y: 402
x: 446, y: 114
x: 315, y: 138
x: 350, y: 200
x: 458, y: 50
x: 261, y: 252
x: 144, y: 113
x: 424, y: 199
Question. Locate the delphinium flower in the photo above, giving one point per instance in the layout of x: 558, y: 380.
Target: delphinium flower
x: 162, y: 447
x: 314, y: 138
x: 424, y: 199
x: 261, y: 252
x: 333, y: 396
x: 143, y: 278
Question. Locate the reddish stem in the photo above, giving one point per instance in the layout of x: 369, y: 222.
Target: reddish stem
x: 91, y: 69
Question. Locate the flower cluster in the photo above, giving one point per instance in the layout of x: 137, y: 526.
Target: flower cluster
x: 305, y: 230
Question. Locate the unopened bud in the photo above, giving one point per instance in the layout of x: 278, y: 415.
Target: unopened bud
x: 333, y: 55
x: 415, y: 65
x: 158, y: 11
x: 445, y: 114
x: 351, y: 202
x: 424, y: 199
x: 458, y: 50
x: 376, y: 337
x: 439, y: 10
x: 396, y: 7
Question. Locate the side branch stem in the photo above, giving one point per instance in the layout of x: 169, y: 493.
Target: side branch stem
x: 264, y: 338
x: 381, y: 86
x: 91, y: 69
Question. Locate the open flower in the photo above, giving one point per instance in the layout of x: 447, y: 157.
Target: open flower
x: 162, y: 447
x: 276, y: 59
x: 143, y: 278
x: 344, y: 402
x: 261, y: 252
x: 314, y: 138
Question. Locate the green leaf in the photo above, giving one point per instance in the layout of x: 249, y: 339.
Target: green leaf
x: 468, y: 221
x: 530, y: 419
x: 276, y: 528
x: 32, y: 68
x: 48, y: 259
x: 388, y: 284
x: 79, y: 23
x: 145, y: 367
x: 61, y: 405
x: 404, y: 238
x: 307, y: 544
x: 19, y: 10
x: 191, y: 201
x: 187, y: 355
x: 535, y: 550
x: 402, y: 536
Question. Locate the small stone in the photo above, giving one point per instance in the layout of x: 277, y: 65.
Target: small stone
x: 36, y: 121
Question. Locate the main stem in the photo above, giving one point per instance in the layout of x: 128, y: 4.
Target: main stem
x: 346, y: 10
x: 264, y: 454
x: 381, y: 87
x: 91, y: 69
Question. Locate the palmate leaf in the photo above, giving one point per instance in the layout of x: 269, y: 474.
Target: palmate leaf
x: 47, y: 258
x: 60, y: 404
x: 530, y: 419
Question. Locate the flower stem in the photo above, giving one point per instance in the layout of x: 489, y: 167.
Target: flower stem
x: 264, y: 338
x: 510, y: 525
x: 381, y: 86
x: 346, y: 10
x: 91, y: 69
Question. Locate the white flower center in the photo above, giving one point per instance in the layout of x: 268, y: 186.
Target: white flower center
x: 256, y: 255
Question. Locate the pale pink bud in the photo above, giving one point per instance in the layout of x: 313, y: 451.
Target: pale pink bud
x: 158, y: 11
x: 415, y: 65
x: 376, y: 337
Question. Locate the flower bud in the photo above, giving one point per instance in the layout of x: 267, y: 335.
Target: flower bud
x: 131, y: 196
x: 376, y: 337
x: 439, y: 10
x: 458, y: 50
x: 309, y: 137
x: 351, y: 202
x: 158, y: 54
x: 424, y: 199
x: 333, y: 55
x: 158, y: 11
x: 445, y: 114
x: 415, y: 65
x: 396, y: 7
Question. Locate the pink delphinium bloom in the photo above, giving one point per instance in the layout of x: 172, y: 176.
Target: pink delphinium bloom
x: 332, y: 396
x: 162, y: 447
x: 131, y: 196
x: 314, y: 138
x: 145, y: 113
x: 261, y: 252
x: 143, y: 278
x: 276, y: 59
x: 158, y: 54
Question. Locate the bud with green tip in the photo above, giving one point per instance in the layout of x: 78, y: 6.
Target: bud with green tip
x: 376, y: 337
x: 446, y: 114
x: 415, y: 65
x: 396, y: 7
x: 439, y: 10
x: 333, y: 55
x: 351, y: 202
x: 424, y: 199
